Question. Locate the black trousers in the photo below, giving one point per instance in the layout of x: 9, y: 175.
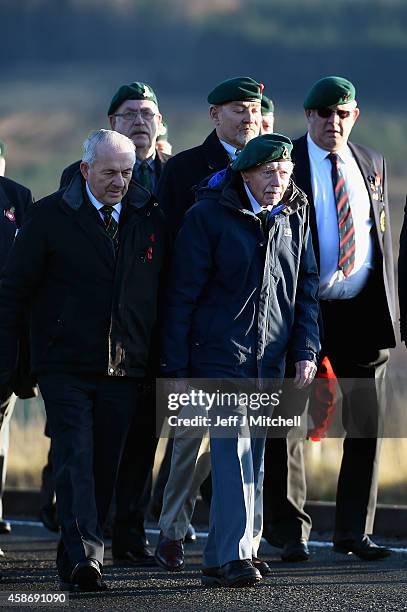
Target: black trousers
x: 361, y: 368
x: 89, y: 418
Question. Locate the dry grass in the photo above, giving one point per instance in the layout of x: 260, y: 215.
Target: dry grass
x: 29, y: 448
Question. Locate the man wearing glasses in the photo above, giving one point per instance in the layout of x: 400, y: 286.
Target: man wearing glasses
x: 349, y: 217
x: 134, y: 112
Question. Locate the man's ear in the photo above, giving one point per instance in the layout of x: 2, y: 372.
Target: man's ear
x: 214, y: 111
x: 84, y: 168
x: 112, y: 121
x: 245, y: 176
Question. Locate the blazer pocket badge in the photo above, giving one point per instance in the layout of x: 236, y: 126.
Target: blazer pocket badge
x: 382, y: 220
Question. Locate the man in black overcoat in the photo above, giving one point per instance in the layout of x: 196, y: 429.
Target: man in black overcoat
x: 88, y: 263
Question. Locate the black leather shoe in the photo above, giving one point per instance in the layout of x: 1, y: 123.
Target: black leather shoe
x: 262, y: 566
x: 169, y: 554
x: 87, y: 577
x: 240, y: 573
x: 5, y: 527
x: 190, y: 535
x: 137, y: 556
x: 295, y: 551
x: 363, y: 548
x: 48, y: 516
x: 211, y: 576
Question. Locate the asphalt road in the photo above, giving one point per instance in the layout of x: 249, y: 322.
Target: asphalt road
x: 327, y: 582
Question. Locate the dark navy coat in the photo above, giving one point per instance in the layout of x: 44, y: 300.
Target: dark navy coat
x: 237, y: 298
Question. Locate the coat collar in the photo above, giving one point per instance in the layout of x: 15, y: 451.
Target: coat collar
x: 214, y: 153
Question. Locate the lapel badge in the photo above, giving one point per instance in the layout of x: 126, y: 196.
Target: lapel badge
x: 10, y: 214
x: 382, y: 221
x: 374, y: 184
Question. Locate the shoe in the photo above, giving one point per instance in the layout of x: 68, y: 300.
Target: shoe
x: 262, y: 566
x: 211, y: 576
x: 87, y: 577
x: 169, y: 554
x: 190, y: 535
x: 5, y: 527
x: 295, y: 551
x: 140, y: 556
x: 362, y: 547
x: 48, y: 516
x: 240, y: 573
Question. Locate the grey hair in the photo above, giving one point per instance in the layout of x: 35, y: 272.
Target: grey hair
x: 109, y: 137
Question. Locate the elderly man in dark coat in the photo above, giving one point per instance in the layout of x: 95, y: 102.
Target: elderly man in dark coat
x: 88, y: 263
x: 243, y: 285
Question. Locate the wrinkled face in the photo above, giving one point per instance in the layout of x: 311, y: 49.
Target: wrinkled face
x: 237, y: 122
x: 139, y: 120
x: 267, y: 123
x: 109, y: 175
x: 330, y: 127
x: 269, y: 181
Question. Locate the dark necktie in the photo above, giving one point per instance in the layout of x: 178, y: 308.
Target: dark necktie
x: 346, y: 229
x: 263, y: 216
x: 112, y: 227
x: 145, y: 175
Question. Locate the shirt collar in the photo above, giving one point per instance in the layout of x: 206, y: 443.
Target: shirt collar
x: 117, y: 207
x: 317, y: 154
x: 230, y: 149
x: 149, y: 160
x: 255, y: 205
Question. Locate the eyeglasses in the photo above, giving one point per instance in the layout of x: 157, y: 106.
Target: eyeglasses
x: 145, y: 114
x: 327, y: 112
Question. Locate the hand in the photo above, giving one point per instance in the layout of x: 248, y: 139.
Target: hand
x: 304, y: 373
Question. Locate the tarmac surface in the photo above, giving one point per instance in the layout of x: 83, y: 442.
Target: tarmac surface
x: 327, y: 582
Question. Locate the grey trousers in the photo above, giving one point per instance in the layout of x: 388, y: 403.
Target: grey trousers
x: 4, y: 444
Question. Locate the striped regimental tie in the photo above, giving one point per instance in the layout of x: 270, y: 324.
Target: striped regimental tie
x: 346, y: 228
x: 112, y: 227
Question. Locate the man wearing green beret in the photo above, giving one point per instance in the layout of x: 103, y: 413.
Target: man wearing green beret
x: 243, y: 286
x: 349, y: 215
x: 267, y: 115
x: 134, y: 112
x: 234, y: 109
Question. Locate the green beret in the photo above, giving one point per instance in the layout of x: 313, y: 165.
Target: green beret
x: 163, y: 131
x: 237, y: 89
x: 330, y: 91
x: 267, y: 105
x: 134, y: 91
x: 263, y: 149
x: 2, y: 149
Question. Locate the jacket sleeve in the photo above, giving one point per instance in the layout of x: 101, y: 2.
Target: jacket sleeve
x: 305, y: 342
x: 190, y: 270
x: 402, y: 277
x: 21, y: 275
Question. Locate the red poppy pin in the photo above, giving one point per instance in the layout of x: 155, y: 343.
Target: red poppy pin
x: 10, y: 214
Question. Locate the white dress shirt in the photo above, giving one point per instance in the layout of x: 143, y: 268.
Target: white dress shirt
x: 333, y: 284
x: 116, y: 208
x: 230, y: 149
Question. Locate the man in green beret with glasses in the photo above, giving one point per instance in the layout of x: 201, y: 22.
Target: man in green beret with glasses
x: 134, y: 112
x: 243, y: 286
x: 349, y: 216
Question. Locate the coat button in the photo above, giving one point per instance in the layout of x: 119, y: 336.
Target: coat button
x: 155, y: 203
x: 197, y: 344
x: 148, y: 214
x: 261, y: 243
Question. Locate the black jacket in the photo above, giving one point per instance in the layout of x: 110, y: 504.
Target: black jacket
x: 90, y: 312
x: 159, y: 162
x: 380, y: 292
x: 14, y: 202
x: 183, y: 173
